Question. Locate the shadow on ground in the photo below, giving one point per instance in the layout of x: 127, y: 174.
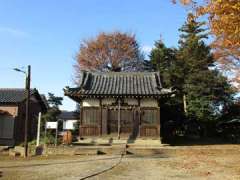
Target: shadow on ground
x: 191, y: 141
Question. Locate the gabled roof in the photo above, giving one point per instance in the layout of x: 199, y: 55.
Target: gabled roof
x: 118, y: 84
x: 17, y: 95
x: 13, y: 95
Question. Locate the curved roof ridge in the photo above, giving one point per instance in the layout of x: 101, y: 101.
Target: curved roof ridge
x: 120, y: 73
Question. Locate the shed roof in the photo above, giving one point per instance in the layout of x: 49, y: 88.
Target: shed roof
x: 119, y: 84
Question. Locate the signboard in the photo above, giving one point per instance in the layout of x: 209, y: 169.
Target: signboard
x: 51, y: 125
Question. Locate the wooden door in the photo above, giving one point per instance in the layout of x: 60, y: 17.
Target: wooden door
x: 90, y: 125
x: 126, y: 121
x: 6, y: 126
x: 112, y: 122
x: 150, y: 122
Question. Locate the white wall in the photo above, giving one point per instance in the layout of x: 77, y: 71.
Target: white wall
x: 131, y: 101
x: 149, y: 103
x: 143, y: 102
x: 108, y: 101
x: 91, y: 103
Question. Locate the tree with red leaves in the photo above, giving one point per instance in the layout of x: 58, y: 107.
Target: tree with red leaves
x: 114, y: 51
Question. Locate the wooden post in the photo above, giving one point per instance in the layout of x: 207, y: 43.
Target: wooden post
x: 45, y: 134
x: 38, y: 129
x: 184, y: 104
x: 119, y: 118
x: 159, y: 120
x: 139, y: 118
x: 81, y: 118
x: 101, y: 121
x: 56, y: 136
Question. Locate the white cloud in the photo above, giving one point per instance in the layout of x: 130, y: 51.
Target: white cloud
x: 147, y: 49
x: 14, y: 32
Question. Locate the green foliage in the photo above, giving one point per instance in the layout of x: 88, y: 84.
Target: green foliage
x: 163, y: 59
x: 206, y: 89
x: 49, y: 139
x: 191, y: 70
x: 232, y: 111
x: 54, y: 101
x: 53, y: 112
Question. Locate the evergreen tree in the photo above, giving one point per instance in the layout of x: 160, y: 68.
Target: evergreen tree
x: 206, y: 89
x: 163, y: 59
x: 191, y: 70
x: 53, y: 111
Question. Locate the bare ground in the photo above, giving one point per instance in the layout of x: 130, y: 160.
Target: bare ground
x: 187, y: 162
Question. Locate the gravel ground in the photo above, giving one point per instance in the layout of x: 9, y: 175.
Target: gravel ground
x: 192, y: 162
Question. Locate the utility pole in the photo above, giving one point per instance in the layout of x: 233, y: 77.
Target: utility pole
x: 27, y: 89
x: 28, y: 80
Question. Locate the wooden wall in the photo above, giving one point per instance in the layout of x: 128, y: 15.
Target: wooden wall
x: 95, y: 121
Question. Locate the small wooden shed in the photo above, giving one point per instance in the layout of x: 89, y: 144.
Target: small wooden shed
x: 12, y: 114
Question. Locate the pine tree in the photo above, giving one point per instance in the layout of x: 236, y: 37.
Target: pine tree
x: 163, y: 59
x: 206, y: 89
x: 191, y: 69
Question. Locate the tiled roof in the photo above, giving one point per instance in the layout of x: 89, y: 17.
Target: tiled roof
x: 68, y: 115
x: 13, y: 95
x: 119, y: 84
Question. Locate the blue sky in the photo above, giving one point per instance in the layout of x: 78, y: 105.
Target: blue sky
x: 46, y: 34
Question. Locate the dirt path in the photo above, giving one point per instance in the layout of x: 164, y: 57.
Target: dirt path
x: 208, y: 162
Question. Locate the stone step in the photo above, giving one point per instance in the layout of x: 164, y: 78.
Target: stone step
x: 145, y: 143
x: 99, y: 141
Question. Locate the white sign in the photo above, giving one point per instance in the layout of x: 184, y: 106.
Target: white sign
x: 51, y: 125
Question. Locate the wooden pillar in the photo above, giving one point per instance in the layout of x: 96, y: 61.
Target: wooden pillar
x: 101, y: 114
x: 104, y: 120
x: 81, y: 118
x: 119, y: 118
x: 39, y: 128
x: 159, y: 122
x: 139, y: 118
x: 184, y: 104
x: 107, y: 120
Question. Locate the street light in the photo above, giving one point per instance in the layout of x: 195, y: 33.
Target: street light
x: 28, y: 80
x: 19, y: 70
